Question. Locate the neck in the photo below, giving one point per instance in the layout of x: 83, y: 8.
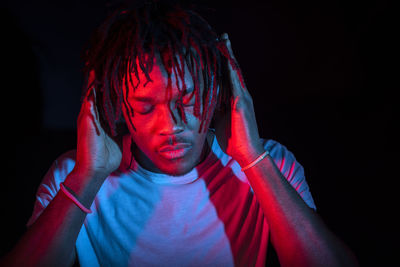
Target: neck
x: 207, y: 147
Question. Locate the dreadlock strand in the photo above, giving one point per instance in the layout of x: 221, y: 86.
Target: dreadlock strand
x: 215, y: 89
x: 127, y: 41
x: 194, y: 44
x: 108, y: 109
x: 129, y: 110
x: 194, y: 73
x: 207, y: 83
x: 224, y: 50
x: 117, y: 89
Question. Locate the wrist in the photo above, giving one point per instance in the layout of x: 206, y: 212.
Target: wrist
x: 84, y: 184
x: 73, y: 197
x: 88, y: 174
x: 251, y: 155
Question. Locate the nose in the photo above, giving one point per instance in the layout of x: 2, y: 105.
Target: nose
x: 170, y: 121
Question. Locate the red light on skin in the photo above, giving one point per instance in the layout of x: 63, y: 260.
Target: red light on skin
x: 158, y: 123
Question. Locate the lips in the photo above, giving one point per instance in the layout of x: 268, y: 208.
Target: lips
x: 174, y: 147
x: 174, y: 151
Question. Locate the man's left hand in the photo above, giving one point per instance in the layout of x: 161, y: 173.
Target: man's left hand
x: 236, y: 130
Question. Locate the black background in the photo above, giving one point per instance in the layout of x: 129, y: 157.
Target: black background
x: 322, y: 77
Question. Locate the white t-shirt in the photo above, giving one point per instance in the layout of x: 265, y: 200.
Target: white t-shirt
x: 208, y: 217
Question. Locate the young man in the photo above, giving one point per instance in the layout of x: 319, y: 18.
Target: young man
x: 174, y: 191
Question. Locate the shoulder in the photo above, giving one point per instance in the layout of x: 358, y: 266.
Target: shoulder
x: 67, y: 157
x: 49, y: 185
x: 66, y: 161
x: 284, y: 159
x: 271, y: 144
x: 60, y: 168
x: 290, y: 168
x: 276, y: 150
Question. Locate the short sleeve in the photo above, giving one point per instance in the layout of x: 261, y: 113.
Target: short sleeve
x: 291, y: 169
x: 49, y: 185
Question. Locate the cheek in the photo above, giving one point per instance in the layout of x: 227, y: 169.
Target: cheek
x: 137, y: 125
x: 138, y: 129
x: 192, y: 121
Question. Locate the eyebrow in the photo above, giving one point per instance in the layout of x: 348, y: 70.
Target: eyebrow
x: 150, y: 99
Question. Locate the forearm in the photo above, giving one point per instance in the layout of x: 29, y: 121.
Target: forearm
x: 299, y: 236
x: 51, y: 239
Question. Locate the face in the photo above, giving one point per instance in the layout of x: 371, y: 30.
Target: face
x: 164, y: 143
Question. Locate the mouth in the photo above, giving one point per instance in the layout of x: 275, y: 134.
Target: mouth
x: 176, y: 151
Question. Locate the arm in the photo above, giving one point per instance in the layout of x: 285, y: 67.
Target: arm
x: 50, y: 241
x: 298, y: 234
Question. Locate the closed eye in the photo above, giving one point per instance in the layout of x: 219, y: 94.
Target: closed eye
x: 145, y: 107
x: 145, y: 111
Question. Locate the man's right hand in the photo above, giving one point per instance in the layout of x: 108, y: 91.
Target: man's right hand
x: 97, y: 153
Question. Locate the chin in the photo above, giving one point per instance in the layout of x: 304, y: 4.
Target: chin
x: 176, y: 168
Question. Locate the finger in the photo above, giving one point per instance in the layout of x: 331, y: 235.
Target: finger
x: 225, y: 37
x: 238, y: 87
x: 96, y: 111
x: 89, y: 108
x: 235, y: 101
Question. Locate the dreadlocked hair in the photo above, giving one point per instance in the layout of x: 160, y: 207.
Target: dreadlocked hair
x: 129, y: 39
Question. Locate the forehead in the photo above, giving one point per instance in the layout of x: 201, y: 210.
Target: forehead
x: 156, y: 87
